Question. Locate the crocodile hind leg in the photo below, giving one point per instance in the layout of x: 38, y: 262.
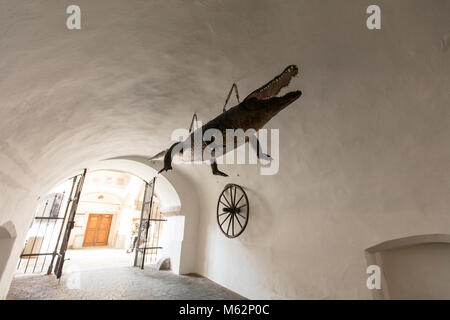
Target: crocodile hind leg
x: 254, y: 142
x: 215, y: 169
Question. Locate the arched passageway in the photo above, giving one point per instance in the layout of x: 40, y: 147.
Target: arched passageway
x: 123, y: 177
x: 179, y: 234
x: 113, y: 190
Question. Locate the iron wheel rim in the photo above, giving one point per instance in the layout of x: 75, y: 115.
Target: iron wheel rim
x: 232, y: 211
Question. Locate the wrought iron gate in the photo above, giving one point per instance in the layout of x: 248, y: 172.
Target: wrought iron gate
x: 43, y: 239
x: 69, y: 225
x: 150, y: 225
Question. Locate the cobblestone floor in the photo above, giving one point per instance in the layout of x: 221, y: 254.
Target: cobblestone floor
x: 82, y: 280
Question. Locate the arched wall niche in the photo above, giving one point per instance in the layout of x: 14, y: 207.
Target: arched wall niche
x: 7, y: 230
x: 7, y: 238
x: 413, y: 267
x: 409, y: 241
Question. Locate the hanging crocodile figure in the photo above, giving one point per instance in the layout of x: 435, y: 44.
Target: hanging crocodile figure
x: 252, y: 113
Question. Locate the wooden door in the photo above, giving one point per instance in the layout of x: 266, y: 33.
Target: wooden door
x: 97, y: 230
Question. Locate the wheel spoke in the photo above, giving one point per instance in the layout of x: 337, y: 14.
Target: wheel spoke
x: 234, y: 198
x: 223, y: 195
x: 229, y: 223
x: 237, y: 219
x: 232, y: 227
x: 226, y: 206
x: 225, y: 219
x: 239, y: 200
x: 244, y: 205
x: 241, y: 216
x: 231, y: 196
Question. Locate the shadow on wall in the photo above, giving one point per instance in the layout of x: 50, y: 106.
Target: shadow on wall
x: 7, y: 238
x: 416, y: 267
x: 261, y: 217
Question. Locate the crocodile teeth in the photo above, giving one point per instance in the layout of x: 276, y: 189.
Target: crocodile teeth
x: 272, y: 88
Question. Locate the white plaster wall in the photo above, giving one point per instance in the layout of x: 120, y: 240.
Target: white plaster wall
x: 364, y: 153
x: 171, y: 241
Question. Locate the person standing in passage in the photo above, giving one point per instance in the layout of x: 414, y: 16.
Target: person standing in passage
x: 134, y: 237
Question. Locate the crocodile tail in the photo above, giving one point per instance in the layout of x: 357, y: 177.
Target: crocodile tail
x: 168, y: 157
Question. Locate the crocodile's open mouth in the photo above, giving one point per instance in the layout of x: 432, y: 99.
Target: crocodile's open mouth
x: 273, y: 87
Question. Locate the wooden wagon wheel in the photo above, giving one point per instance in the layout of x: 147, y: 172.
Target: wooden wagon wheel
x: 232, y: 210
